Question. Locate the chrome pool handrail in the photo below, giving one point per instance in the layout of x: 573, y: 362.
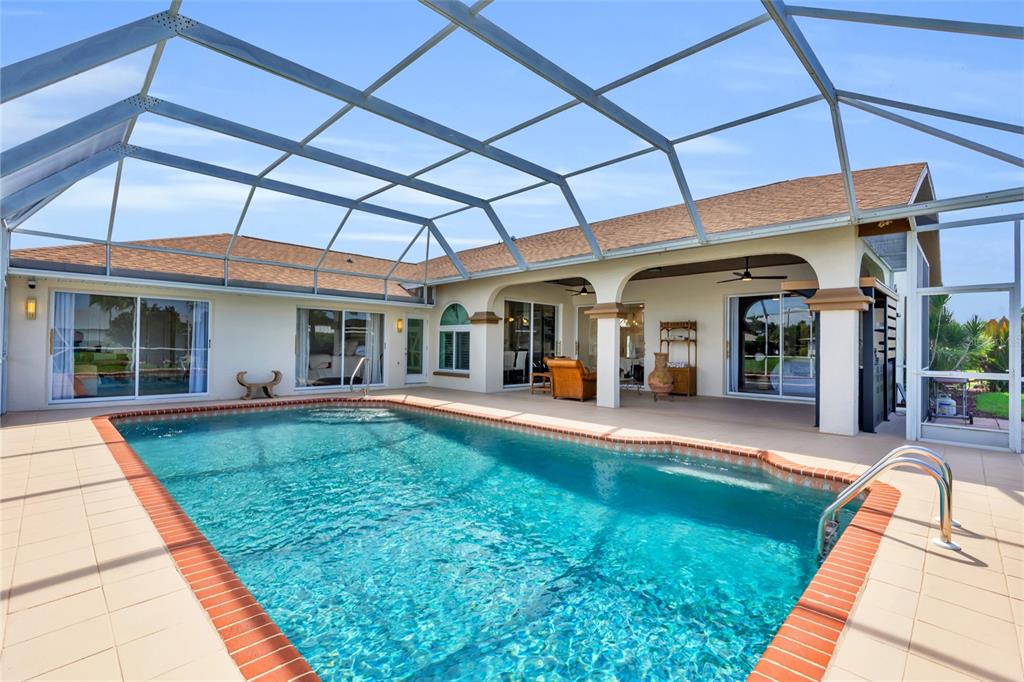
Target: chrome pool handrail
x: 828, y: 523
x: 935, y: 457
x: 352, y: 376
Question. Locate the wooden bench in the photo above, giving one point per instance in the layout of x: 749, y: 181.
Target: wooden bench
x: 253, y: 388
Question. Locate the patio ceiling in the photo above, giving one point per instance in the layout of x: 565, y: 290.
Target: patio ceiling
x: 37, y: 171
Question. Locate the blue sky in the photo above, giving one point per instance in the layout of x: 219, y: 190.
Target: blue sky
x: 467, y: 85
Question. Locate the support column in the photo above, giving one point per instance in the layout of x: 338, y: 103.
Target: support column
x: 838, y: 397
x: 607, y: 316
x: 486, y: 345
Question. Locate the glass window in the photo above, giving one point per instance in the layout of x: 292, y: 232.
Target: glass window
x: 453, y: 315
x: 122, y: 347
x: 454, y: 353
x: 516, y: 363
x: 453, y: 346
x: 173, y: 346
x: 773, y: 346
x: 363, y: 357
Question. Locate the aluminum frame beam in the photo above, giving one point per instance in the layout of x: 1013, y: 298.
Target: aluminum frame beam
x: 512, y: 47
x: 39, y: 191
x: 147, y: 82
x: 902, y: 21
x: 971, y: 222
x: 50, y: 67
x: 647, y: 150
x: 935, y: 132
x: 193, y: 166
x: 253, y: 55
x: 248, y: 53
x: 243, y: 132
x: 931, y: 111
x: 795, y: 37
x: 619, y: 82
x: 68, y: 135
x: 232, y: 175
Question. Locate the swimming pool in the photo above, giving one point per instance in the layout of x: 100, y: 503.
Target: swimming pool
x: 388, y: 543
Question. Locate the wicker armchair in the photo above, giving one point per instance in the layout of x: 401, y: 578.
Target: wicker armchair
x: 570, y: 379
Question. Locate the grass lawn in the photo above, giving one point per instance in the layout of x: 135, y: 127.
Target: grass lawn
x: 995, y: 404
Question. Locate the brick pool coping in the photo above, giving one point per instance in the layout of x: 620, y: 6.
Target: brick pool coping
x: 800, y: 650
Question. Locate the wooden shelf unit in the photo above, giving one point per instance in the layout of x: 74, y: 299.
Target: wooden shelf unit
x: 684, y: 379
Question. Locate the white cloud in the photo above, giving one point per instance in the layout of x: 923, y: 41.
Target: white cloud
x: 63, y: 102
x: 712, y: 145
x: 153, y: 131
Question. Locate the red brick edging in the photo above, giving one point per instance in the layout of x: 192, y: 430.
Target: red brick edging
x: 801, y: 649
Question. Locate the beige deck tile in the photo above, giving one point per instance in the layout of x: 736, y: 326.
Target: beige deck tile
x: 55, y: 649
x: 125, y: 529
x: 61, y: 575
x: 969, y: 623
x: 837, y: 674
x: 964, y: 654
x: 118, y: 516
x: 898, y: 575
x: 923, y: 670
x: 882, y: 625
x: 982, y: 577
x: 114, y: 503
x: 870, y: 658
x: 160, y: 613
x: 53, y: 546
x: 29, y: 623
x: 9, y: 538
x: 903, y: 554
x: 135, y: 564
x: 143, y: 587
x: 51, y: 525
x: 1015, y: 587
x: 215, y: 667
x: 881, y: 595
x: 101, y: 667
x: 969, y: 597
x: 163, y: 651
x: 69, y: 503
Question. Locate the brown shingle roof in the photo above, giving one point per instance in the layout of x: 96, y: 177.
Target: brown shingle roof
x: 153, y: 264
x: 781, y: 202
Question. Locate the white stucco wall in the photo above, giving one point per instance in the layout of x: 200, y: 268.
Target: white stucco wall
x: 254, y: 333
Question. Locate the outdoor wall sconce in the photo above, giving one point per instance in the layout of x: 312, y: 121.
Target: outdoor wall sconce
x: 30, y: 308
x: 400, y: 324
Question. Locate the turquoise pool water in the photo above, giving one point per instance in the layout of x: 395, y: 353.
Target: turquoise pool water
x: 396, y: 544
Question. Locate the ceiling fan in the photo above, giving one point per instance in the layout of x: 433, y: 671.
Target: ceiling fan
x: 582, y: 291
x: 745, y: 276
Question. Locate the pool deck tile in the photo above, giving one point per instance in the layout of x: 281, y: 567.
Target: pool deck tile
x: 82, y: 563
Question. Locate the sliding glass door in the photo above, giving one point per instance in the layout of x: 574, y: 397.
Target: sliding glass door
x: 771, y: 346
x: 124, y: 346
x: 531, y: 334
x: 338, y: 348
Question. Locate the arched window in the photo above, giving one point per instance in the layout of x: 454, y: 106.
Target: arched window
x: 454, y: 315
x: 454, y: 339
